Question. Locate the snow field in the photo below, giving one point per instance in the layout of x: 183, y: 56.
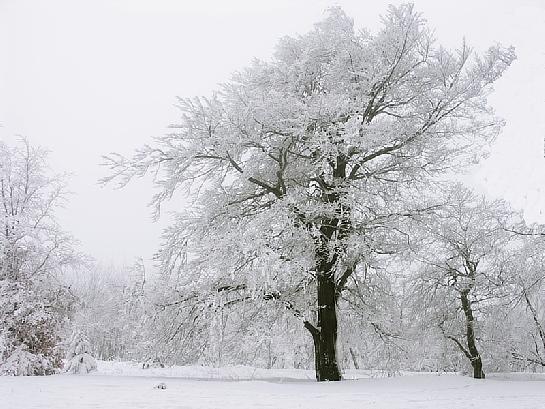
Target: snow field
x: 125, y: 386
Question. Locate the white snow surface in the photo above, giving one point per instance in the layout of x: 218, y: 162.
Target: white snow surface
x: 122, y: 385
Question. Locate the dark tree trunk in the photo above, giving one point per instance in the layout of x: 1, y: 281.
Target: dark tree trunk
x: 478, y: 372
x: 327, y: 252
x: 474, y: 356
x: 325, y: 336
x: 325, y: 339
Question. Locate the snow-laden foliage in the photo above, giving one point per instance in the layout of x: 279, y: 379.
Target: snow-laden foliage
x: 393, y: 317
x: 525, y: 336
x: 21, y: 362
x: 33, y: 253
x: 113, y: 310
x: 464, y: 251
x: 299, y: 167
x: 78, y: 358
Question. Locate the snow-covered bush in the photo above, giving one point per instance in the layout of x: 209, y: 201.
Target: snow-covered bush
x: 34, y: 252
x: 21, y: 362
x: 79, y: 359
x: 29, y: 328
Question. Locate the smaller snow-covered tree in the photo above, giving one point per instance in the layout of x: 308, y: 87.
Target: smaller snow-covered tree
x: 528, y: 292
x: 79, y: 358
x: 463, y: 274
x: 34, y: 254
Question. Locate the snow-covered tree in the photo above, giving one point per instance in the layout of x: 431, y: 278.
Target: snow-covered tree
x: 296, y: 166
x: 464, y: 273
x: 34, y: 251
x: 79, y: 359
x: 112, y: 307
x: 527, y: 308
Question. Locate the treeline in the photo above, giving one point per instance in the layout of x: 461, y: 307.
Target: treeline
x: 456, y: 284
x: 463, y: 291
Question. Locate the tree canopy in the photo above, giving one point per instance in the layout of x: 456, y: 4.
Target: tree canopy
x: 297, y: 166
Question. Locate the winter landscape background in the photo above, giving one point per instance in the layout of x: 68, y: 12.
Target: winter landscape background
x: 357, y: 197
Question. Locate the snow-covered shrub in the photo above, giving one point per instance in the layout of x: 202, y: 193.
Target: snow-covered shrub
x: 29, y: 329
x: 34, y: 253
x: 24, y: 363
x: 79, y: 359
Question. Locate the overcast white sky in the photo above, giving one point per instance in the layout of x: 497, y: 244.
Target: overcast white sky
x: 84, y: 78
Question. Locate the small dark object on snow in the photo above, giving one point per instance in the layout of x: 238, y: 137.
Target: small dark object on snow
x: 162, y: 385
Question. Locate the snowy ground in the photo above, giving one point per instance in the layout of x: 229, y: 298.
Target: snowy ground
x: 126, y: 386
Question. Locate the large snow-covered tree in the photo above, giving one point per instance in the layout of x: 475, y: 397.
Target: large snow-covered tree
x: 296, y: 165
x: 34, y: 251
